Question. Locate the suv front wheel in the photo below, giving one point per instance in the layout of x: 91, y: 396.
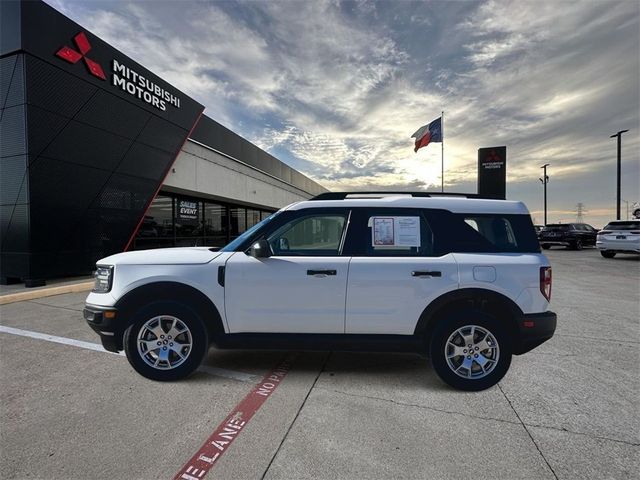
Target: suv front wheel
x: 166, y: 341
x: 470, y: 351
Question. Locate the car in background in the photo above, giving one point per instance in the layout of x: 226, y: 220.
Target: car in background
x: 571, y: 235
x: 619, y: 236
x: 538, y: 229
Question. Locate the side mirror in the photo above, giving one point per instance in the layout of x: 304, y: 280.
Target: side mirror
x: 260, y: 249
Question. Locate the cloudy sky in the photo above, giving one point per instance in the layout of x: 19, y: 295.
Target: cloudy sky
x: 335, y: 89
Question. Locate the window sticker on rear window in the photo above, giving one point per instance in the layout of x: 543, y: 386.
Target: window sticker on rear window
x: 395, y: 231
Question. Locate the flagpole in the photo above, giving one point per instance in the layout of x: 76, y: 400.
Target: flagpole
x: 442, y: 159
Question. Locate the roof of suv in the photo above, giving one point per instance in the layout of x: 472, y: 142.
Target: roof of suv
x: 453, y: 204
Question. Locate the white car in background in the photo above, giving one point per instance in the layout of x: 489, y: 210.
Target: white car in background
x: 619, y: 236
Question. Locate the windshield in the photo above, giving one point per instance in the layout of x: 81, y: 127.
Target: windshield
x: 231, y: 246
x: 623, y: 226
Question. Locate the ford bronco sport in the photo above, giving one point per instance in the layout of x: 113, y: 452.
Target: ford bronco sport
x: 459, y: 279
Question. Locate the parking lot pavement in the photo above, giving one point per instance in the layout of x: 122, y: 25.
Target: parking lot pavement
x: 568, y: 409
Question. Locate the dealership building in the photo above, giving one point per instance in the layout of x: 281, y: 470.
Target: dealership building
x: 100, y: 155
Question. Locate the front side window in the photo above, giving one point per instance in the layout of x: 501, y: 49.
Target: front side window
x: 314, y: 235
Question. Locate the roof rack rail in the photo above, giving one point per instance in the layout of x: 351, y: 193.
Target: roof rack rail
x: 368, y: 194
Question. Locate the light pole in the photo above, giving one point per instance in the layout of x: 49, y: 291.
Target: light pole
x: 545, y: 180
x: 619, y: 135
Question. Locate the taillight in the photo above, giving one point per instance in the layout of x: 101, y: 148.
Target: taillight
x: 635, y: 232
x: 604, y: 232
x: 545, y: 282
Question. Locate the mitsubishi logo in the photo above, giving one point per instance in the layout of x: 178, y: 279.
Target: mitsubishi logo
x: 73, y: 56
x: 493, y: 157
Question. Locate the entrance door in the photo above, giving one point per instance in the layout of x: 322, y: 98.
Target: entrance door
x: 301, y: 288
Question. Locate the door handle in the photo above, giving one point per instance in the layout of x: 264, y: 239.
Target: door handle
x: 426, y: 274
x: 321, y: 272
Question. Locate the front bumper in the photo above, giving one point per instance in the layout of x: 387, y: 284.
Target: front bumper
x: 534, y: 329
x: 105, y: 322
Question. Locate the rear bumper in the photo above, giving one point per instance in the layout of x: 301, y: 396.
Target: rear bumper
x: 619, y: 246
x: 105, y: 322
x: 535, y: 329
x: 564, y: 243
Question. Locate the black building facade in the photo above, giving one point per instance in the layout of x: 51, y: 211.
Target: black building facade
x: 87, y: 137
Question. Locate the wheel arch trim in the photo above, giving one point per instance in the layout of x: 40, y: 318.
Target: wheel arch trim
x: 470, y: 298
x: 158, y: 291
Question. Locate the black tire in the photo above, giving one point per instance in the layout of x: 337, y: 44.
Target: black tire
x: 447, y: 326
x: 197, y: 335
x: 607, y: 253
x: 577, y: 245
x: 546, y: 246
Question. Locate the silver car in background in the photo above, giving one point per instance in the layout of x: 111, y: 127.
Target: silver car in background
x: 620, y: 236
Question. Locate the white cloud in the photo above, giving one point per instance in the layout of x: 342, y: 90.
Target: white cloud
x: 343, y: 86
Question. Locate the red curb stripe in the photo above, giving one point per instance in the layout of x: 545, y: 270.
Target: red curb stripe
x: 224, y: 435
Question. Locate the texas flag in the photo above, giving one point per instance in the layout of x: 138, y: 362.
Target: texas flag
x: 427, y: 134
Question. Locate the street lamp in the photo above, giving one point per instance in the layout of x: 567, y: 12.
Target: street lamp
x: 545, y: 180
x: 619, y: 135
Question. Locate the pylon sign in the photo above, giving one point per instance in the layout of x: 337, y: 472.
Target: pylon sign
x: 492, y: 172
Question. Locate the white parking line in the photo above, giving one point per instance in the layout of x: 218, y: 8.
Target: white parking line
x: 215, y: 371
x: 52, y: 338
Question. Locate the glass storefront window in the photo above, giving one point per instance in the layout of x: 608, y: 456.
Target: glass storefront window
x: 215, y: 225
x: 156, y: 229
x: 238, y: 221
x: 188, y: 222
x: 181, y: 221
x: 253, y: 217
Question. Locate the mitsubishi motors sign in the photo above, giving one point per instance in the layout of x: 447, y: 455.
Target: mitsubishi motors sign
x: 492, y: 172
x: 43, y: 33
x: 141, y: 87
x: 122, y: 76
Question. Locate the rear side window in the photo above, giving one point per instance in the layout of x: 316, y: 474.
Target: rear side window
x: 390, y: 232
x: 482, y: 233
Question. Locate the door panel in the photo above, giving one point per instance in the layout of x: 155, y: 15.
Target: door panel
x: 285, y: 294
x: 385, y: 296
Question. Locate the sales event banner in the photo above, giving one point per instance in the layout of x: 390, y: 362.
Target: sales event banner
x: 187, y: 211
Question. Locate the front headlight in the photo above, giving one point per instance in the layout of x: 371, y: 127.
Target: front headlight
x: 104, y: 278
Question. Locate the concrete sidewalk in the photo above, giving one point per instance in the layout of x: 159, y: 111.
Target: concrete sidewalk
x: 19, y: 293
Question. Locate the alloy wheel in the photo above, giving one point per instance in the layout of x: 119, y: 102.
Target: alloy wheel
x: 472, y: 352
x: 164, y: 342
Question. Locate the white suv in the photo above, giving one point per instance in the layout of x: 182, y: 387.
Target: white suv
x: 460, y: 279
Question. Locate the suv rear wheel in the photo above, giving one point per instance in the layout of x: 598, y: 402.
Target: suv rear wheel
x: 470, y: 351
x: 166, y: 341
x: 607, y: 253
